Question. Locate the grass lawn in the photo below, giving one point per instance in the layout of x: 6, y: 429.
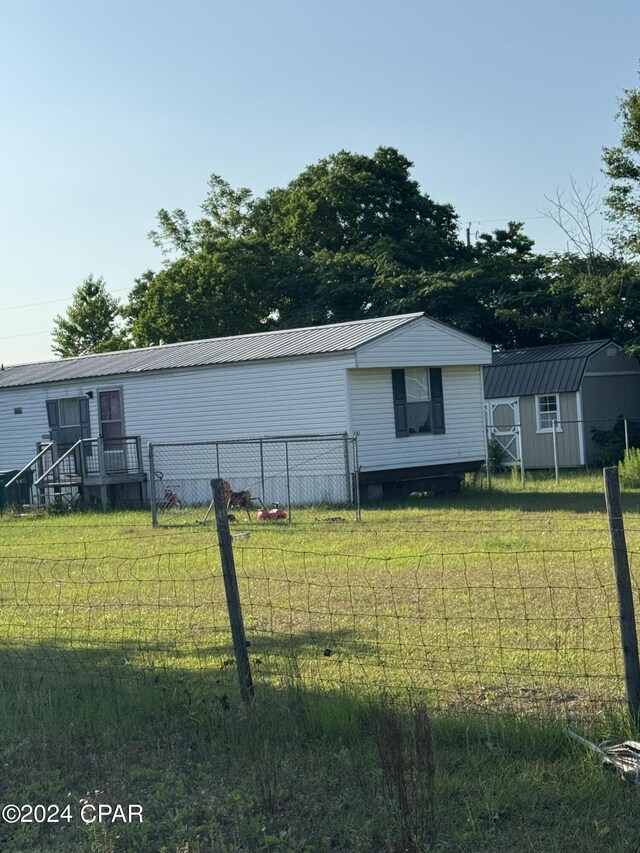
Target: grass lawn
x: 117, y: 680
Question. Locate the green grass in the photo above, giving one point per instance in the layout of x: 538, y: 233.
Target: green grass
x: 117, y: 679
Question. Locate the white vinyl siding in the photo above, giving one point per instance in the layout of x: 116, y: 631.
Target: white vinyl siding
x: 19, y: 433
x: 319, y: 394
x: 423, y: 342
x: 373, y: 419
x: 284, y: 397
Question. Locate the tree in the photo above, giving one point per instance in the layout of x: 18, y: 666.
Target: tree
x: 90, y: 322
x: 353, y: 218
x: 225, y: 216
x: 622, y: 166
x: 574, y: 213
x: 206, y: 294
x: 325, y: 248
x: 604, y: 291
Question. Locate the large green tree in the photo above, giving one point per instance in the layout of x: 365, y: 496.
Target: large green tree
x: 227, y: 291
x: 90, y: 323
x: 322, y: 249
x: 622, y: 166
x: 355, y: 236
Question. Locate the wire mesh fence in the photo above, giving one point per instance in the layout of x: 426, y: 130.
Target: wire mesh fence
x: 531, y: 631
x: 288, y: 471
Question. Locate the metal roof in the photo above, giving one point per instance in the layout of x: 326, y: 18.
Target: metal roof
x: 538, y: 370
x: 285, y: 343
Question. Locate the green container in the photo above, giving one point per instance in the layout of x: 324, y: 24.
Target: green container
x: 18, y: 493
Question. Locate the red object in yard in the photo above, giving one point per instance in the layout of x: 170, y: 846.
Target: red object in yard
x: 274, y: 514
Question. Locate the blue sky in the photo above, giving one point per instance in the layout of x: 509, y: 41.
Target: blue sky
x: 111, y: 111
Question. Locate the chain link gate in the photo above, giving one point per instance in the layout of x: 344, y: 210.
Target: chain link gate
x: 297, y: 473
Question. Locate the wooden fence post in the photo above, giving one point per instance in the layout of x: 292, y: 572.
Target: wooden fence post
x: 626, y: 609
x: 232, y: 593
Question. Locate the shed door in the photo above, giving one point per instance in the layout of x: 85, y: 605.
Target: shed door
x: 503, y: 425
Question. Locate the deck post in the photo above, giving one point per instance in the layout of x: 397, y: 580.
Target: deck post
x: 83, y: 475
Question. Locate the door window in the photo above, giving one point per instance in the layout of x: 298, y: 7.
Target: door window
x: 111, y: 416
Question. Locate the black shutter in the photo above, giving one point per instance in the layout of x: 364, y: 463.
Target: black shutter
x: 85, y: 423
x: 399, y: 403
x: 53, y: 418
x: 437, y: 400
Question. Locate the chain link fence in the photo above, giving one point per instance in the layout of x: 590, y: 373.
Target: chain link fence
x: 290, y: 473
x: 564, y: 446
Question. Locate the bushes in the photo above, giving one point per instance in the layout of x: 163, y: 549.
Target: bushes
x: 611, y: 442
x: 630, y: 469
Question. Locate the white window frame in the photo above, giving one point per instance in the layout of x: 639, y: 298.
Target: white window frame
x: 558, y: 419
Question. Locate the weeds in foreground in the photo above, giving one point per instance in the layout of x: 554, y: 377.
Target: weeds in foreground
x: 407, y: 759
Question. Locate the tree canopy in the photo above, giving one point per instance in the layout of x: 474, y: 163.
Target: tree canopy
x: 355, y: 236
x: 622, y: 166
x: 90, y: 324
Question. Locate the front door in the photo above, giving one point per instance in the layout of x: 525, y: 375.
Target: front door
x: 68, y: 421
x: 503, y: 426
x: 112, y: 429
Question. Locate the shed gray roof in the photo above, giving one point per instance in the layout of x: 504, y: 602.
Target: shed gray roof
x: 538, y: 370
x: 339, y: 337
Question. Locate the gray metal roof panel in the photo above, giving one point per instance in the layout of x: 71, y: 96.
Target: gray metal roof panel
x: 538, y: 370
x: 553, y: 352
x: 286, y: 343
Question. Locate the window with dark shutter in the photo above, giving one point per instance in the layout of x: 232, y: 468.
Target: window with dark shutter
x: 399, y: 403
x: 418, y: 403
x: 437, y: 400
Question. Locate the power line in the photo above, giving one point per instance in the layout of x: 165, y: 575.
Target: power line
x: 25, y: 335
x: 524, y: 219
x: 51, y: 302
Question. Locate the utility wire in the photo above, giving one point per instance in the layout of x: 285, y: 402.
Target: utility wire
x: 51, y: 302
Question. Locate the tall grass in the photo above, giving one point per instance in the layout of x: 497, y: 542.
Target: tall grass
x: 322, y: 761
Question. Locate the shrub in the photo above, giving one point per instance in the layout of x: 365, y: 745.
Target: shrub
x: 630, y: 469
x: 611, y: 442
x: 496, y: 454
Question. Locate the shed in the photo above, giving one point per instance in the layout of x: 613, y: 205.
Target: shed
x: 409, y: 386
x: 581, y: 389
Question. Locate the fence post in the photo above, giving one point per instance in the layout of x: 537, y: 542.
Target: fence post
x: 347, y: 468
x: 487, y: 440
x: 555, y: 451
x: 626, y: 437
x: 232, y: 593
x: 356, y: 474
x: 152, y: 485
x: 522, y: 470
x: 625, y: 591
x: 262, y: 484
x: 286, y: 465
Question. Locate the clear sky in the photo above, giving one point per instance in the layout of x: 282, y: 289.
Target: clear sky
x: 112, y: 110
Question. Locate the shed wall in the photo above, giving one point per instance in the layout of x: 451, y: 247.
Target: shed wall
x: 602, y: 362
x: 537, y: 448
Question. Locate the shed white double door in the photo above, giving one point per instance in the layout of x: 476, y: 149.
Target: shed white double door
x: 503, y: 425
